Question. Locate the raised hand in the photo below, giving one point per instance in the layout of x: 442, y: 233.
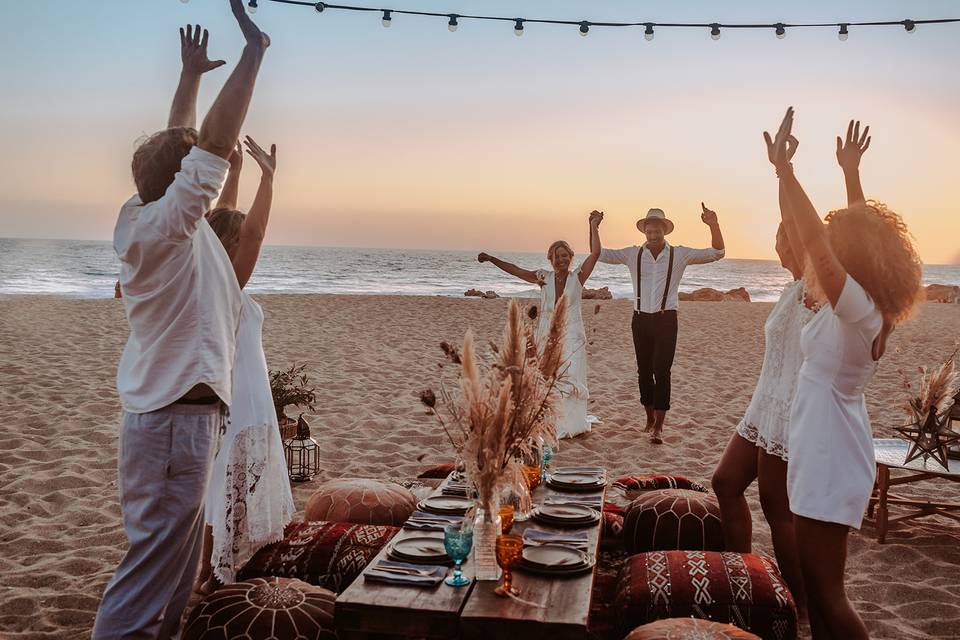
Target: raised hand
x: 483, y: 257
x: 596, y: 217
x: 236, y: 158
x: 193, y: 50
x: 251, y: 31
x: 781, y: 148
x: 267, y: 161
x: 852, y: 148
x: 708, y: 216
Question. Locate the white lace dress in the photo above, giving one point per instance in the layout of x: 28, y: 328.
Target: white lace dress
x: 572, y: 420
x: 767, y: 420
x: 248, y: 501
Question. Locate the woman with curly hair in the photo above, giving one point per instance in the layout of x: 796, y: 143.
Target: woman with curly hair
x: 861, y: 264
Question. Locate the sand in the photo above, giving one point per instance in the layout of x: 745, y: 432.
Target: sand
x: 60, y: 530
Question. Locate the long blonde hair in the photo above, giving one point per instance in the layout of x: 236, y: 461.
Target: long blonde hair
x: 874, y: 246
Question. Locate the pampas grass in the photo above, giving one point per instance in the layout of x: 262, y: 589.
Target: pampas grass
x: 935, y: 391
x: 500, y: 410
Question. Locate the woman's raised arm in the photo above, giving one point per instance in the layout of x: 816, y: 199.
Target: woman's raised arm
x: 509, y: 267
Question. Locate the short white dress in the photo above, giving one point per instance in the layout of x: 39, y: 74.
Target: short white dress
x: 248, y: 500
x: 572, y: 420
x: 832, y: 466
x: 767, y: 420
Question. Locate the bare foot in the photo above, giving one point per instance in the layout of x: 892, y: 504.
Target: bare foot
x: 649, y: 426
x: 204, y: 584
x: 656, y: 438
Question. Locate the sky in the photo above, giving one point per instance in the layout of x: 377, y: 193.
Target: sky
x: 415, y: 137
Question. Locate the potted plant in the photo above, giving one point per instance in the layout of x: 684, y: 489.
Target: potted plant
x: 291, y: 387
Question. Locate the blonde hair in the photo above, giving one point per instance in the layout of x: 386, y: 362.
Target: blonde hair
x: 226, y: 223
x: 874, y: 246
x: 559, y: 244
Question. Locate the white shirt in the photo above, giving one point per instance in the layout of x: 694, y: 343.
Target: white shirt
x: 180, y: 293
x: 655, y: 271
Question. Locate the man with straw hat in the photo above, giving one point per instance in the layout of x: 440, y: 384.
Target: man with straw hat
x: 657, y: 267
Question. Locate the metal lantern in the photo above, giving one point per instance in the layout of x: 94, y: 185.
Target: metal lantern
x: 303, y: 453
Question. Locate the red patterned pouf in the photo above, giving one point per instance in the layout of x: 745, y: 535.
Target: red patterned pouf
x: 362, y: 502
x: 626, y: 489
x: 673, y: 519
x: 263, y: 609
x: 689, y: 629
x: 602, y: 623
x: 326, y: 554
x: 611, y: 531
x: 437, y: 472
x: 739, y: 588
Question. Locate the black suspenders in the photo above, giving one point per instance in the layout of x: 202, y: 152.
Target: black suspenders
x: 666, y: 286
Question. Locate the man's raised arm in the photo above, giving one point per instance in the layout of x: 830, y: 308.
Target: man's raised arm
x: 193, y: 53
x: 221, y: 127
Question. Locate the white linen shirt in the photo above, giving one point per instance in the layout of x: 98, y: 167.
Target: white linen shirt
x: 180, y: 293
x: 655, y: 271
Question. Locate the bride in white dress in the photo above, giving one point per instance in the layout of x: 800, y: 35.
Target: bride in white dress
x: 572, y: 419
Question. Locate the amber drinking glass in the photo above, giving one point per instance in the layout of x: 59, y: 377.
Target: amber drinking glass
x: 532, y: 475
x: 509, y: 552
x: 506, y: 518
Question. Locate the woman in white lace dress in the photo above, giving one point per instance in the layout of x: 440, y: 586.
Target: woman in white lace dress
x: 862, y: 264
x: 759, y: 448
x: 554, y: 285
x: 249, y: 501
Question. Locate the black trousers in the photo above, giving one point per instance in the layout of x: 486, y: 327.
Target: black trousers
x: 655, y: 341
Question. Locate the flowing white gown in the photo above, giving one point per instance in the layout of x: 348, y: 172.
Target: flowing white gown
x: 572, y: 420
x: 248, y: 501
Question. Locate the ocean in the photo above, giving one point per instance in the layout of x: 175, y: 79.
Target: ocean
x: 87, y: 269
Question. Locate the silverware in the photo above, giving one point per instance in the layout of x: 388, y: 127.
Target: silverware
x: 408, y: 572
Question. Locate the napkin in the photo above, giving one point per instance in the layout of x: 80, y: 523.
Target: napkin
x: 426, y: 576
x: 430, y: 521
x: 587, y: 501
x: 538, y: 536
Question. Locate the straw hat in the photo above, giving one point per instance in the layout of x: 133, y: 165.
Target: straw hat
x: 656, y: 214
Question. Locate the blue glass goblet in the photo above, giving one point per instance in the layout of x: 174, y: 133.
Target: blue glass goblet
x: 458, y: 540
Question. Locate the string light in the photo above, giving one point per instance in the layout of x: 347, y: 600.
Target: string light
x: 715, y: 27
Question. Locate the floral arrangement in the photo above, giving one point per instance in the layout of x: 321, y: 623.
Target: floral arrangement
x: 291, y: 387
x: 928, y: 430
x: 499, y: 410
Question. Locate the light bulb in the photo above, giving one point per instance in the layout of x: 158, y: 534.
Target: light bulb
x: 910, y: 26
x: 844, y: 33
x: 452, y: 24
x: 715, y: 31
x: 518, y: 27
x: 319, y: 7
x: 781, y: 31
x: 387, y: 20
x: 584, y: 28
x: 648, y: 32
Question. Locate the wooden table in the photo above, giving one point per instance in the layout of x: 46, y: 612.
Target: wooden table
x: 565, y: 602
x: 368, y: 609
x: 890, y: 454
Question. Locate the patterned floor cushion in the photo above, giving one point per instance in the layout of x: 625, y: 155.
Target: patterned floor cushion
x: 437, y: 472
x: 739, y: 588
x: 611, y: 531
x: 689, y: 629
x: 362, y: 502
x: 325, y: 554
x: 263, y: 609
x: 626, y: 489
x: 602, y: 623
x: 673, y: 519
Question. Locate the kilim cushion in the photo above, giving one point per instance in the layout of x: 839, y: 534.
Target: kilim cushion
x: 739, y: 588
x: 437, y: 472
x: 611, y: 531
x: 602, y: 623
x: 689, y: 629
x: 263, y: 609
x: 326, y: 554
x: 673, y: 519
x: 362, y: 502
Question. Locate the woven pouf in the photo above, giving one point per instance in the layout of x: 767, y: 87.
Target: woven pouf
x: 437, y: 472
x: 326, y: 554
x: 361, y: 502
x: 689, y: 629
x: 737, y: 588
x: 673, y: 519
x: 263, y: 609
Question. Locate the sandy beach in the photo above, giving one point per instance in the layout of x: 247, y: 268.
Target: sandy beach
x: 60, y: 530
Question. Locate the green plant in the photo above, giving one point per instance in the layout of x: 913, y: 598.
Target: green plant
x: 291, y: 387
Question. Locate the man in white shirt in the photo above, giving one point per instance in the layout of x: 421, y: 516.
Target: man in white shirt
x: 182, y: 302
x: 656, y: 268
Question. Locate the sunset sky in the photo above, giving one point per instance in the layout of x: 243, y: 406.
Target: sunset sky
x: 414, y: 137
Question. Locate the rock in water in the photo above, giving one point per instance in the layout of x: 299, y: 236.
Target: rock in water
x: 943, y: 293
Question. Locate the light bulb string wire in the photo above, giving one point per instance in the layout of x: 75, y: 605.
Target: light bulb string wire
x: 645, y: 23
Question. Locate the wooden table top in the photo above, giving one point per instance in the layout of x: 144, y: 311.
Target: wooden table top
x: 473, y: 611
x: 891, y: 452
